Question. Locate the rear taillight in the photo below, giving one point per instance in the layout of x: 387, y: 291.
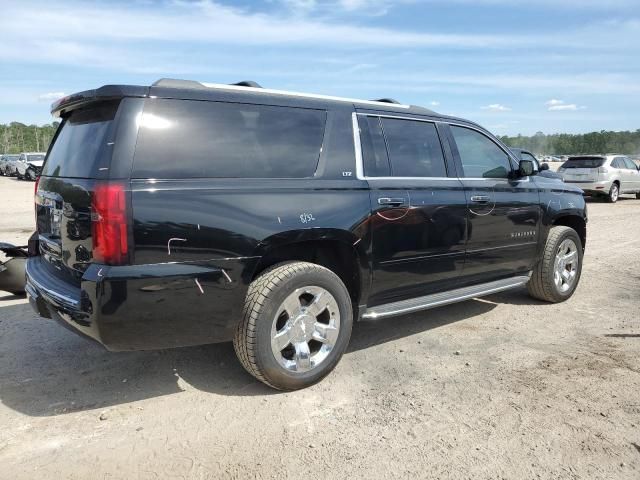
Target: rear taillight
x: 109, y: 224
x: 603, y: 170
x: 35, y: 187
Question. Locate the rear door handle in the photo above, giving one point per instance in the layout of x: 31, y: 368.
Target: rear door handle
x: 480, y: 198
x: 396, y: 202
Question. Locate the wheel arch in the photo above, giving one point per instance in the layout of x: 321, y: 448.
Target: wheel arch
x: 338, y: 250
x: 575, y: 222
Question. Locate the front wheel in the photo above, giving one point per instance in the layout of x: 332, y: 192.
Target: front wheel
x: 556, y: 276
x: 296, y: 325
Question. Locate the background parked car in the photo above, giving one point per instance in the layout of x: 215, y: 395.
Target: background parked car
x: 29, y: 165
x: 5, y: 161
x: 11, y: 165
x: 608, y: 175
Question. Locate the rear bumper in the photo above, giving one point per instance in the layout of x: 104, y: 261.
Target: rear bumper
x: 592, y: 187
x: 144, y: 307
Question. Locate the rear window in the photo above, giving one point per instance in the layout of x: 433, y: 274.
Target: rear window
x: 584, y: 162
x: 79, y: 149
x: 192, y: 139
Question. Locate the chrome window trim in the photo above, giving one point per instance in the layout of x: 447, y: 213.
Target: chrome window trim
x: 358, y: 149
x: 360, y: 162
x: 357, y: 146
x: 237, y: 88
x: 509, y: 154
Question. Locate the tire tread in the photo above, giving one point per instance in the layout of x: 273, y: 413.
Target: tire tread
x: 244, y: 340
x: 540, y: 284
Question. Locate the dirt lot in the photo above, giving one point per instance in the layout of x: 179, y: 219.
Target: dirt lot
x: 504, y: 387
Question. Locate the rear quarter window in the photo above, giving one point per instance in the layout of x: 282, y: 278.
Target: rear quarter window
x: 198, y: 139
x: 81, y: 147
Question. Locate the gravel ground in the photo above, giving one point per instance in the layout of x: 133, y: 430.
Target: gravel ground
x: 503, y: 387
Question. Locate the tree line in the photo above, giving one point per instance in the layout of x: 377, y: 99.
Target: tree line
x: 626, y: 143
x: 17, y: 137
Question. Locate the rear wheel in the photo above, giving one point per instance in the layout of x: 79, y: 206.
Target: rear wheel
x: 556, y: 276
x: 31, y: 175
x: 296, y: 325
x: 614, y: 193
x: 638, y: 195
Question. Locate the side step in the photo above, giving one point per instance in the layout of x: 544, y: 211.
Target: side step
x: 444, y: 298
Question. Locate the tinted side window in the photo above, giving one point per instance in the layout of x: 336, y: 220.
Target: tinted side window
x: 80, y: 146
x: 191, y: 139
x: 374, y: 151
x: 629, y: 163
x: 414, y: 148
x: 616, y: 163
x: 480, y: 156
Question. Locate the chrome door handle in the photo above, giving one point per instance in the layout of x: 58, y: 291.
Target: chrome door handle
x: 480, y: 198
x: 396, y: 202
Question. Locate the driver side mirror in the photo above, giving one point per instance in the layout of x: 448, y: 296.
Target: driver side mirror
x: 526, y: 168
x: 544, y: 166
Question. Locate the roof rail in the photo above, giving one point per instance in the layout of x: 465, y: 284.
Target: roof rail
x: 247, y: 83
x: 387, y: 100
x: 174, y: 83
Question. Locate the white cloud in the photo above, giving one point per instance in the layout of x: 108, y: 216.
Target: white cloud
x: 566, y: 107
x: 496, y: 107
x: 50, y: 96
x: 555, y: 105
x: 434, y: 103
x: 101, y: 23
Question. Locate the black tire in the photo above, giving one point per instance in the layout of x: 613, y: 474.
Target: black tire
x: 542, y: 285
x: 614, y: 193
x: 30, y: 175
x: 266, y: 294
x: 638, y: 195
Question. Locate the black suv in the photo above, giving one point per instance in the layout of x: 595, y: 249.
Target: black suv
x: 187, y: 213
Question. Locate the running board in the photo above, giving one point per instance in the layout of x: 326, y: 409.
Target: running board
x: 444, y: 298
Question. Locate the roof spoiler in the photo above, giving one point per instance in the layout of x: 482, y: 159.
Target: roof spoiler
x: 107, y: 92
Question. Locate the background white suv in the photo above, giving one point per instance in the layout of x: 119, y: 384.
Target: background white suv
x: 609, y: 175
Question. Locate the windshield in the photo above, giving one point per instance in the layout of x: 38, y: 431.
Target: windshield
x: 584, y: 162
x: 35, y: 158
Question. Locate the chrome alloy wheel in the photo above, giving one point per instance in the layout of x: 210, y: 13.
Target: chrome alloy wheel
x: 305, y: 329
x: 566, y: 265
x: 615, y: 192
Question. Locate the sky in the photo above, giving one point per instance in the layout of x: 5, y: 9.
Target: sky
x: 514, y: 66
